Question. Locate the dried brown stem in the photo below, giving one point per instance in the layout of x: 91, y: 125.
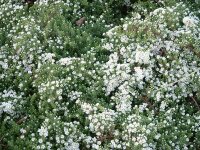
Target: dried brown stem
x: 21, y: 120
x: 195, y: 102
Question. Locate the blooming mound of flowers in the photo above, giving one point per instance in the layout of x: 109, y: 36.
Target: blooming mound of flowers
x: 74, y: 77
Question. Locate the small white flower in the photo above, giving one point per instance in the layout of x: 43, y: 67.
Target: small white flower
x: 23, y: 131
x: 43, y: 131
x: 65, y: 61
x: 111, y: 32
x: 158, y: 96
x: 189, y: 21
x: 163, y: 105
x: 125, y: 27
x: 158, y: 11
x: 40, y: 141
x: 158, y: 136
x: 124, y: 39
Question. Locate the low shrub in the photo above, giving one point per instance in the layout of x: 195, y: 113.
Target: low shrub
x: 99, y: 75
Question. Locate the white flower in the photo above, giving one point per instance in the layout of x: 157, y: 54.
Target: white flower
x: 158, y: 11
x: 23, y: 131
x: 125, y: 27
x: 67, y: 61
x: 158, y: 136
x: 66, y: 131
x: 43, y: 2
x: 158, y: 96
x: 111, y: 32
x: 163, y: 106
x: 43, y: 131
x: 87, y: 108
x: 124, y: 106
x: 4, y: 65
x: 189, y: 21
x: 40, y: 141
x: 137, y: 16
x: 124, y: 39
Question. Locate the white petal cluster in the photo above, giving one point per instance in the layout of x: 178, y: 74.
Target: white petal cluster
x: 100, y: 123
x: 48, y: 57
x: 6, y: 107
x: 142, y: 57
x: 67, y: 61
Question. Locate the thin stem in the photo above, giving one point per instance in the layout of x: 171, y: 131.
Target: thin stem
x: 195, y: 102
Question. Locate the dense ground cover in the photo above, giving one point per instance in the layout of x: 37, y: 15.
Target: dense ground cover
x: 99, y: 74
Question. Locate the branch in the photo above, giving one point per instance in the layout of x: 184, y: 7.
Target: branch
x: 195, y: 102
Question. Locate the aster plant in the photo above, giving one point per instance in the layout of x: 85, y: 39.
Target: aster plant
x: 77, y: 74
